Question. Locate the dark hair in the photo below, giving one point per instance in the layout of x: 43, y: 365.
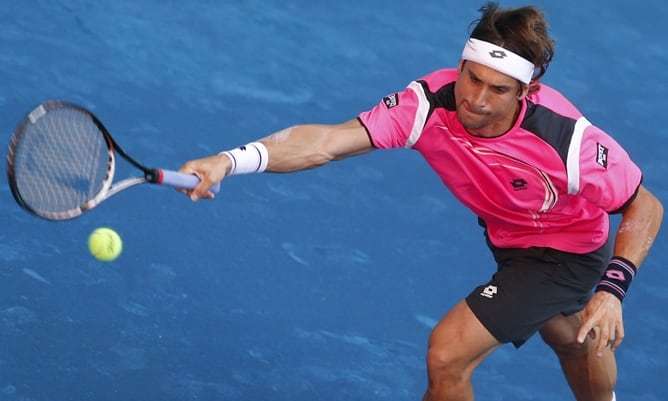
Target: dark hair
x: 521, y: 30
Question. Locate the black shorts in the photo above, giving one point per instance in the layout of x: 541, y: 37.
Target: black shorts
x: 533, y: 285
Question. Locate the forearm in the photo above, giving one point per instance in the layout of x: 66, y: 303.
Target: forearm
x: 636, y: 234
x: 308, y: 146
x: 297, y: 148
x: 639, y: 227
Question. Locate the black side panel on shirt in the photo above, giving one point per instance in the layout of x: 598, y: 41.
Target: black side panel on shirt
x: 551, y: 127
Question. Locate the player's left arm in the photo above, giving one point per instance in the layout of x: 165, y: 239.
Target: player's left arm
x: 637, y: 231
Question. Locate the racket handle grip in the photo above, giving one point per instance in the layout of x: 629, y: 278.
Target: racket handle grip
x: 180, y: 180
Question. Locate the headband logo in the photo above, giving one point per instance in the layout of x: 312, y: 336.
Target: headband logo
x: 499, y: 58
x: 497, y: 54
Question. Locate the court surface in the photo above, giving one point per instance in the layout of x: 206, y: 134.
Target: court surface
x: 318, y: 285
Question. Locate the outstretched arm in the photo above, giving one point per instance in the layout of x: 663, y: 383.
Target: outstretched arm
x: 296, y: 148
x: 638, y: 229
x: 304, y: 147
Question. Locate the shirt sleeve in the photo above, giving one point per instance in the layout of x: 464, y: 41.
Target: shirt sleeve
x: 392, y: 122
x: 608, y: 176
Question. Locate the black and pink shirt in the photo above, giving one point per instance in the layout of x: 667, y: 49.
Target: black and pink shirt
x: 549, y: 182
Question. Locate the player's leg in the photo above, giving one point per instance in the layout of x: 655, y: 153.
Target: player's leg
x: 511, y: 307
x: 456, y: 346
x: 592, y: 378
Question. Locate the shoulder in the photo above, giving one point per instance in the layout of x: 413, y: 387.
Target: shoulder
x: 555, y: 101
x: 553, y: 118
x: 436, y: 89
x: 398, y: 120
x: 439, y: 78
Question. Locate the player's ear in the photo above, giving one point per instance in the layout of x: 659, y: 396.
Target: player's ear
x: 460, y: 67
x: 523, y: 91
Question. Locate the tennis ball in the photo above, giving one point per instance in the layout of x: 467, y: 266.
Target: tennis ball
x: 105, y: 244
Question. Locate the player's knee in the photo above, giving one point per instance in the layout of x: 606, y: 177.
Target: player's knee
x: 445, y: 368
x: 570, y: 349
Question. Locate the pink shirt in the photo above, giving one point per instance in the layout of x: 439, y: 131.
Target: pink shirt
x: 549, y: 182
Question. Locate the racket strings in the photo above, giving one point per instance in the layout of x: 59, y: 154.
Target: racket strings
x: 61, y: 162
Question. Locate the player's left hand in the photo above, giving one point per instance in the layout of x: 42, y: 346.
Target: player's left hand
x: 604, y: 311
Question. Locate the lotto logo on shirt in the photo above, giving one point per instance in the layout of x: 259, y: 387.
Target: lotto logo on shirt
x: 391, y: 101
x: 602, y: 155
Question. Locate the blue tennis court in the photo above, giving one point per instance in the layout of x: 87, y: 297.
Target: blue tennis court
x: 323, y: 284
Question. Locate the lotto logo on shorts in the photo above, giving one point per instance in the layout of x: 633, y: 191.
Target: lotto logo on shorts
x: 489, y: 291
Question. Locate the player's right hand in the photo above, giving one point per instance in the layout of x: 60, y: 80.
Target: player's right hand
x: 210, y: 171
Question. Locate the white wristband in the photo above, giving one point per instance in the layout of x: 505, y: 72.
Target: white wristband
x: 247, y: 159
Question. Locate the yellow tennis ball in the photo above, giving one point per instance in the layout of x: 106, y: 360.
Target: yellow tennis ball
x: 105, y: 244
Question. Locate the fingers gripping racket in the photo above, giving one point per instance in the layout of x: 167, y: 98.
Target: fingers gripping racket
x: 62, y: 160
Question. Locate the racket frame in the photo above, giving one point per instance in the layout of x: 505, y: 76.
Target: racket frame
x: 108, y: 188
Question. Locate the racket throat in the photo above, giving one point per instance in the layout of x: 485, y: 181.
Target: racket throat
x: 154, y: 175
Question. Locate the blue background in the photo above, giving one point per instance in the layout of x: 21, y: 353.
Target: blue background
x: 317, y: 285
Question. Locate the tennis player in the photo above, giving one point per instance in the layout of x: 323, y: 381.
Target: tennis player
x: 543, y: 181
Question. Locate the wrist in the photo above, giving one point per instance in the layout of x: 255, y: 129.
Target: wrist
x: 226, y: 162
x: 247, y: 159
x: 617, y: 277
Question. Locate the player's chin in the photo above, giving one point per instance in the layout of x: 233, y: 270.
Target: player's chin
x: 474, y: 127
x: 471, y: 121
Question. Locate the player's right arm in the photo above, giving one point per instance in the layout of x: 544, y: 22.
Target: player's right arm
x: 304, y: 147
x: 297, y: 148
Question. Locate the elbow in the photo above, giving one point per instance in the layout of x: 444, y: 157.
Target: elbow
x: 651, y: 206
x: 656, y: 206
x: 659, y: 210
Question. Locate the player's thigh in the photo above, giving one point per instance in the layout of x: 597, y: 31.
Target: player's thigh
x: 459, y: 340
x: 561, y: 332
x: 561, y: 329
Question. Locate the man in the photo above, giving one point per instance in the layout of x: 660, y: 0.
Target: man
x: 542, y: 180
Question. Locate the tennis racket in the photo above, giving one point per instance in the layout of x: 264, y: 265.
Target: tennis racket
x: 62, y: 160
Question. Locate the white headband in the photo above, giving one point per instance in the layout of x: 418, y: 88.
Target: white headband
x: 498, y: 58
